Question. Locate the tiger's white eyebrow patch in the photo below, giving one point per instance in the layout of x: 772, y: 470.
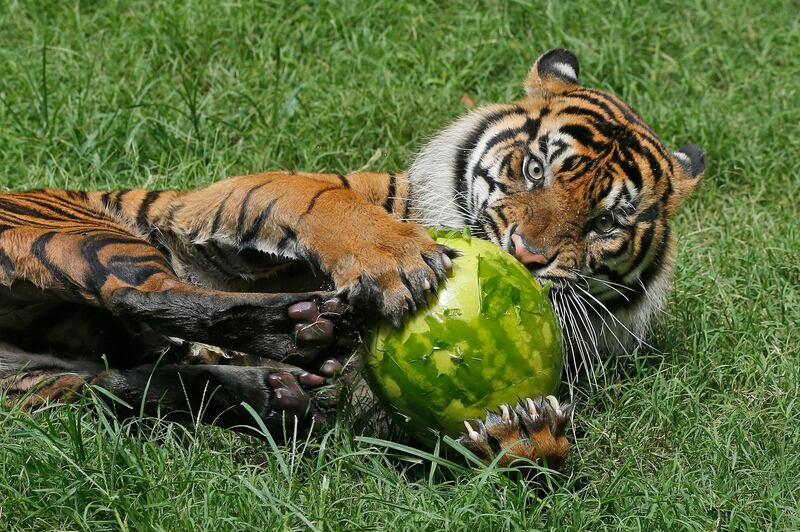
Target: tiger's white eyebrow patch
x: 683, y: 158
x: 611, y: 198
x: 565, y: 70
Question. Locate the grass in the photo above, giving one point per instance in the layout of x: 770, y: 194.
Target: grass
x: 702, y: 432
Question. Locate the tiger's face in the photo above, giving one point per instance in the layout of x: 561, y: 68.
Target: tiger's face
x: 573, y: 183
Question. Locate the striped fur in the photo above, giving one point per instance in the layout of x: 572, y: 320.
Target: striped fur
x: 598, y: 157
x: 130, y: 274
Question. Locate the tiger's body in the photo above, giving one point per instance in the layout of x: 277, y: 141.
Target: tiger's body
x: 568, y: 179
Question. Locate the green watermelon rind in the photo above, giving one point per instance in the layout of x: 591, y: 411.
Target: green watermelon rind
x: 431, y: 378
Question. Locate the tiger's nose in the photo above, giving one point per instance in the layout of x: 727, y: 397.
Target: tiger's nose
x: 528, y: 255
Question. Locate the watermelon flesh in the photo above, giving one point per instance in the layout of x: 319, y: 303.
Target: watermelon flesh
x: 488, y: 337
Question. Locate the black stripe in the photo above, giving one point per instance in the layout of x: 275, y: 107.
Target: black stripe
x: 388, y: 205
x: 647, y: 275
x: 39, y: 251
x: 7, y: 265
x: 560, y: 147
x: 634, y: 117
x: 136, y: 259
x: 316, y: 196
x: 631, y: 170
x: 137, y: 275
x: 217, y: 217
x: 530, y: 127
x: 492, y: 225
x: 582, y: 134
x: 505, y: 162
x: 105, y: 200
x: 78, y: 195
x: 289, y: 237
x: 622, y: 109
x: 465, y: 150
x: 483, y: 173
x: 117, y: 201
x: 213, y: 257
x: 544, y: 145
x: 650, y: 213
x: 134, y: 270
x: 11, y: 207
x: 655, y: 168
x: 590, y: 98
x: 502, y: 216
x: 78, y: 208
x: 574, y: 110
x: 245, y: 206
x: 609, y: 254
x: 252, y: 232
x: 657, y: 263
x: 46, y: 203
x: 575, y: 164
x: 343, y: 179
x: 502, y: 136
x: 90, y: 251
x: 644, y: 248
x: 144, y: 209
x: 600, y: 187
x: 11, y: 221
x: 648, y: 135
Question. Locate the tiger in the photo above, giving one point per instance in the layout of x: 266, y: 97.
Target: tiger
x: 193, y: 303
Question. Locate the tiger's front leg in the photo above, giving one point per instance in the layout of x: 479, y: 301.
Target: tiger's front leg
x: 378, y: 261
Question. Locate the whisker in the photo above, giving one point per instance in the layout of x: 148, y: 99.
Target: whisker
x: 577, y: 303
x: 604, y: 281
x: 606, y: 326
x: 607, y: 284
x: 588, y: 366
x: 563, y: 320
x: 611, y: 314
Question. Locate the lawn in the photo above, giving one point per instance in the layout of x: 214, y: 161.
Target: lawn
x: 701, y: 431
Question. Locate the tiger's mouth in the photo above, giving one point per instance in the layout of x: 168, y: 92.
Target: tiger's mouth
x: 576, y: 288
x: 543, y: 266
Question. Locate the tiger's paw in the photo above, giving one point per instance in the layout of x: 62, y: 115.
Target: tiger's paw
x: 394, y: 274
x: 319, y: 327
x: 532, y: 430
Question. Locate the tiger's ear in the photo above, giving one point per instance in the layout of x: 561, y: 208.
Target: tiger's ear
x: 692, y: 161
x: 554, y: 72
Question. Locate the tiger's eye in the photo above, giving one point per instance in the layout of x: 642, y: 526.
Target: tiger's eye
x: 533, y: 170
x: 604, y: 223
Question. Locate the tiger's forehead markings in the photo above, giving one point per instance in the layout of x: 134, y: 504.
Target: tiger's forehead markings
x: 610, y: 200
x: 501, y: 130
x: 608, y: 113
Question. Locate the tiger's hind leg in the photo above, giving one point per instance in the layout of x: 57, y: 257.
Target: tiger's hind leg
x: 52, y: 378
x: 183, y: 393
x: 95, y: 263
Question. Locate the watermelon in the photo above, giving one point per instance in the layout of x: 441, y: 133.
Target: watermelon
x: 489, y: 336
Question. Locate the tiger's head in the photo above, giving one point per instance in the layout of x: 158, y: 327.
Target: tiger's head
x: 574, y: 183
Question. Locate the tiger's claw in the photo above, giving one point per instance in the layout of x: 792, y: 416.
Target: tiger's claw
x: 532, y: 430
